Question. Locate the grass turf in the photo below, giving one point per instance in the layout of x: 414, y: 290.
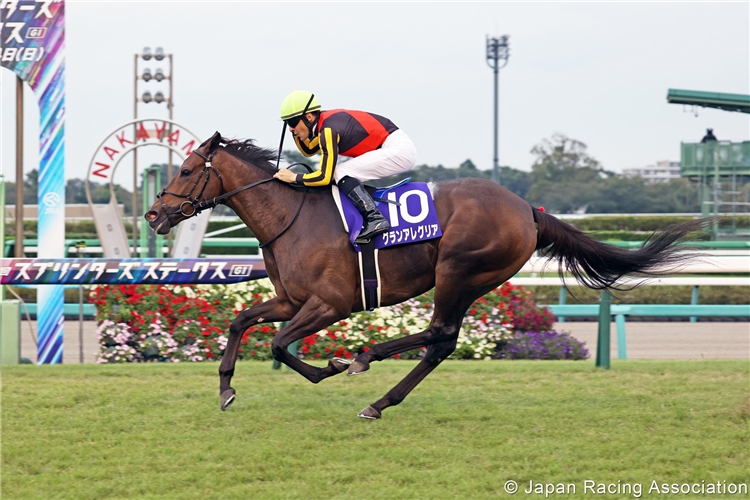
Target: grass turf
x: 155, y: 430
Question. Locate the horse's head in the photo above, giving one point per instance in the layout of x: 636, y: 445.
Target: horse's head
x: 196, y: 180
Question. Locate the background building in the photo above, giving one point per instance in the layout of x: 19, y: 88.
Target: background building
x: 663, y: 171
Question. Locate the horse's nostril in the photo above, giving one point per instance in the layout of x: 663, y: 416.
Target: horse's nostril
x: 151, y: 215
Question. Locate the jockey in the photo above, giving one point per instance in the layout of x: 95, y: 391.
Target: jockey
x: 377, y: 147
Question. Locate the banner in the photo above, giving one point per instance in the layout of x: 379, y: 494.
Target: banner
x: 32, y: 44
x: 130, y: 271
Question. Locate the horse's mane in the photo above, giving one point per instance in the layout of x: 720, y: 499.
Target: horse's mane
x: 247, y: 150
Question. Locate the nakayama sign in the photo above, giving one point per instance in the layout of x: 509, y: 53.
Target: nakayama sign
x: 135, y: 134
x: 107, y: 156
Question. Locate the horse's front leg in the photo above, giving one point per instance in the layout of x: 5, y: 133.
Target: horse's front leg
x: 268, y: 312
x: 315, y: 315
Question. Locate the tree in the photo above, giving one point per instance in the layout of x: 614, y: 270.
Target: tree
x: 565, y: 177
x: 30, y: 189
x: 562, y: 158
x: 516, y: 181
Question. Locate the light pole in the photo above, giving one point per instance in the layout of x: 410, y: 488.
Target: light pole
x: 19, y: 167
x: 497, y: 57
x: 158, y: 98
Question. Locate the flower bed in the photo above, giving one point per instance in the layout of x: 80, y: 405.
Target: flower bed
x: 191, y: 323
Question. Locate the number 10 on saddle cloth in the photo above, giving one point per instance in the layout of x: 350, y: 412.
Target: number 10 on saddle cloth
x: 414, y: 218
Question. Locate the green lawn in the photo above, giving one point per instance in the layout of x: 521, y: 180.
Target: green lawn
x: 155, y: 430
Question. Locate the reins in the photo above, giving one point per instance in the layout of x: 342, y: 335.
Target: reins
x: 199, y: 206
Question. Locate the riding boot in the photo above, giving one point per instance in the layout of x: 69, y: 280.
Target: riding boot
x: 374, y: 222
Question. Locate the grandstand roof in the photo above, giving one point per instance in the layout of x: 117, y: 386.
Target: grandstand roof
x: 727, y: 102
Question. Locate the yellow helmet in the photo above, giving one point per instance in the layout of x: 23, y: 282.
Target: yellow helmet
x: 298, y: 103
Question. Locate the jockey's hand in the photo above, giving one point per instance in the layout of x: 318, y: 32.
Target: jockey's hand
x: 285, y: 175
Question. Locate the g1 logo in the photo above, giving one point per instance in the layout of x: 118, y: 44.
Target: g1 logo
x: 394, y: 210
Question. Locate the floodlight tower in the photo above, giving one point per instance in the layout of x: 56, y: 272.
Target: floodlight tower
x: 498, y: 52
x: 146, y: 98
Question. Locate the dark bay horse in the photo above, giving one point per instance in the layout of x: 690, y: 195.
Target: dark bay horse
x: 488, y: 235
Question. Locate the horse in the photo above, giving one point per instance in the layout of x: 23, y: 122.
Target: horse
x: 488, y: 234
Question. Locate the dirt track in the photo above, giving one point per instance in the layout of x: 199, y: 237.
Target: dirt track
x: 664, y: 340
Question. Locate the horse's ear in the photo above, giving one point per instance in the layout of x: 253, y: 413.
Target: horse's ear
x: 214, y: 142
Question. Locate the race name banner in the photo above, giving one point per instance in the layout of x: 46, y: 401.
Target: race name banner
x: 129, y: 271
x: 32, y: 45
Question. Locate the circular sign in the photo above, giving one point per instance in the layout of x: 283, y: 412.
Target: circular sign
x: 132, y: 135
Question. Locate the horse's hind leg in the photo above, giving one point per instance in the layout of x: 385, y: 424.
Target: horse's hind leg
x: 435, y: 354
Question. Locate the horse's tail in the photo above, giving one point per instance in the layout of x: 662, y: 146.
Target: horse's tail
x: 599, y: 265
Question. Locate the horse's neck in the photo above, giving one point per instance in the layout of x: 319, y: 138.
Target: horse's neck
x: 267, y: 208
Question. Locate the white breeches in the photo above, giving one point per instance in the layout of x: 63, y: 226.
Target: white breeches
x: 395, y: 156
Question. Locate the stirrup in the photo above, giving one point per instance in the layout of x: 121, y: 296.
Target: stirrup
x: 360, y: 241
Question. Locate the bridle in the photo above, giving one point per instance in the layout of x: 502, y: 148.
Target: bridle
x: 199, y: 206
x: 194, y: 202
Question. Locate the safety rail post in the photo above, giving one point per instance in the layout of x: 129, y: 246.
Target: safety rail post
x: 622, y: 349
x: 605, y: 318
x: 563, y: 296
x: 694, y: 302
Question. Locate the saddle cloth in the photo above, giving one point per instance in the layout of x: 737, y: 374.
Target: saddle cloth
x: 414, y: 219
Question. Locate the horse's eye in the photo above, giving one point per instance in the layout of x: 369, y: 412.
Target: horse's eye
x: 185, y: 172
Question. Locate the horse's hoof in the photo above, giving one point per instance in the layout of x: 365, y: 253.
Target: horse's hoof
x: 370, y: 413
x: 340, y: 364
x: 357, y: 367
x: 227, y: 398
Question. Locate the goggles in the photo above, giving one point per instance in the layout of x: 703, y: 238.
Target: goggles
x: 294, y: 121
